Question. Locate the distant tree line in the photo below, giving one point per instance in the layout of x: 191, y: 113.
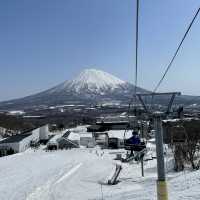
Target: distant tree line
x: 14, y: 123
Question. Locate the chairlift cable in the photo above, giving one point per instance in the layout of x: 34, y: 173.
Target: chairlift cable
x: 136, y: 49
x: 175, y: 54
x: 133, y: 98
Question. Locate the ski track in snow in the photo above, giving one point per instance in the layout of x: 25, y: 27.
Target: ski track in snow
x: 45, y: 190
x: 79, y: 175
x: 73, y: 170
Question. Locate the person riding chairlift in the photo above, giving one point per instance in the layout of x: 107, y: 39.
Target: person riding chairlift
x: 135, y: 139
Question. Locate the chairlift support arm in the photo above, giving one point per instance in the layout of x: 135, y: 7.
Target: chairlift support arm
x: 142, y: 102
x: 170, y: 103
x: 173, y: 95
x: 158, y: 93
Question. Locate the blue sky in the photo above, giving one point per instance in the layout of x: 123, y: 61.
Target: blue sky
x: 43, y: 43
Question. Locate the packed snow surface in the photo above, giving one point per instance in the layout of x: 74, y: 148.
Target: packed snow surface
x: 81, y: 174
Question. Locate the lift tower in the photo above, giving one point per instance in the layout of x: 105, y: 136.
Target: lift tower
x: 162, y: 193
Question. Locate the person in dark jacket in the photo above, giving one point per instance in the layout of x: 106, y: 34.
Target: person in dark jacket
x: 135, y: 139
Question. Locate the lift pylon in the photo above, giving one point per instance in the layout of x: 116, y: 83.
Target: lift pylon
x: 162, y: 193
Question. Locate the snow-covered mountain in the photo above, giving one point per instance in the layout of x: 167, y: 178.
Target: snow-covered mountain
x: 95, y: 80
x: 91, y: 80
x: 89, y: 86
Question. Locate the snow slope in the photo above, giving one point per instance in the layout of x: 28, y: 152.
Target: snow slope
x: 72, y: 174
x: 81, y: 174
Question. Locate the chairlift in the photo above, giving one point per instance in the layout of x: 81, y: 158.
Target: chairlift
x: 134, y: 143
x: 134, y: 147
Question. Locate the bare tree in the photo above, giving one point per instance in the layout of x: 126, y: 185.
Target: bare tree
x: 192, y: 148
x: 185, y: 145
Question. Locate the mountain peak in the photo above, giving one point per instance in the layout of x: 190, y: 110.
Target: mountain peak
x: 95, y: 79
x: 91, y: 85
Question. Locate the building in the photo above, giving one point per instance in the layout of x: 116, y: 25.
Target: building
x: 53, y: 142
x: 121, y: 125
x: 116, y: 138
x: 116, y: 118
x: 106, y: 126
x: 74, y: 137
x: 2, y: 131
x: 18, y: 143
x: 35, y: 134
x: 21, y: 142
x: 44, y: 133
x: 87, y: 140
x: 101, y: 139
x: 96, y: 128
x: 111, y: 132
x: 66, y: 142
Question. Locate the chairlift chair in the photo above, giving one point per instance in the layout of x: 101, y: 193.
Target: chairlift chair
x: 134, y: 147
x: 129, y: 145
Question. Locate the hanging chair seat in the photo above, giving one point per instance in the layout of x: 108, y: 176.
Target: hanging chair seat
x: 134, y: 147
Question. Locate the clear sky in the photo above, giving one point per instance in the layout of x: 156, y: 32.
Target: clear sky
x: 45, y: 42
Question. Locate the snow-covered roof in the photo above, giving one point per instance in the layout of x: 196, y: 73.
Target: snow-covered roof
x: 79, y: 129
x: 119, y: 134
x: 55, y: 138
x: 177, y: 120
x: 14, y: 138
x: 16, y: 112
x: 86, y: 135
x: 74, y: 136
